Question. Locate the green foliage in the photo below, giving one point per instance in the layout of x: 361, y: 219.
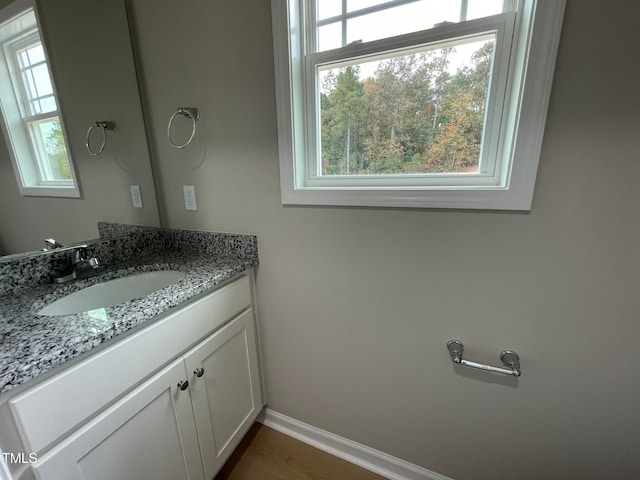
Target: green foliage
x: 412, y: 116
x: 57, y: 153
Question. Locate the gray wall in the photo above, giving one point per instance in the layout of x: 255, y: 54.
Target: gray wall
x: 356, y: 305
x: 95, y: 76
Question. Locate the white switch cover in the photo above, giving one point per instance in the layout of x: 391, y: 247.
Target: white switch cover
x: 190, y: 197
x: 136, y: 196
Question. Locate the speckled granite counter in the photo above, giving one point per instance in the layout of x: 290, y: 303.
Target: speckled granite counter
x: 31, y: 344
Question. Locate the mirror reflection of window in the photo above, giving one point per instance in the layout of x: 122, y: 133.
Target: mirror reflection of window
x: 30, y: 116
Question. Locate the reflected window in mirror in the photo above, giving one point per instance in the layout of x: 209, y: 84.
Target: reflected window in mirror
x: 31, y: 119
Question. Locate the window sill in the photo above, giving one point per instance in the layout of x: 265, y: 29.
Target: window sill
x: 62, y: 192
x: 474, y: 199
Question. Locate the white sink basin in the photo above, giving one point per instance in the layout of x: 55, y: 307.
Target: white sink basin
x: 112, y: 292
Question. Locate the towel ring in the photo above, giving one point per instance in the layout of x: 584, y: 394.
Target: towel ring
x: 111, y: 126
x: 190, y: 112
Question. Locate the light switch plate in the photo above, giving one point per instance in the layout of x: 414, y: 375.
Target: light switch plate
x: 136, y: 196
x: 190, y: 197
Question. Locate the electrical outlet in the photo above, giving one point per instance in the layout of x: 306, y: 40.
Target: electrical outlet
x: 190, y: 197
x: 136, y: 196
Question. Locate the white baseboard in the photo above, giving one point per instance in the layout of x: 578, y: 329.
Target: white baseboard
x: 356, y: 453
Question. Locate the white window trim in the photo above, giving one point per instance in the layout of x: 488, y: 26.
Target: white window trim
x: 26, y: 171
x: 535, y: 62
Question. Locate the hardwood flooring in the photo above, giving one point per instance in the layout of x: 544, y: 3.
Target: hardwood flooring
x: 266, y: 454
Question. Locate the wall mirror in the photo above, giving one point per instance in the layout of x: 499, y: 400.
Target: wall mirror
x: 91, y: 61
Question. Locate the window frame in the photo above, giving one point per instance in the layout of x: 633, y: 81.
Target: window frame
x: 528, y: 80
x: 498, y: 25
x: 18, y: 123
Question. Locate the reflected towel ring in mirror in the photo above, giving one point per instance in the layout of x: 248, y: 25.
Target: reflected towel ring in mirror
x: 111, y: 126
x: 190, y: 112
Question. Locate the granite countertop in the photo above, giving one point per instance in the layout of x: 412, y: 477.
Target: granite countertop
x: 32, y: 344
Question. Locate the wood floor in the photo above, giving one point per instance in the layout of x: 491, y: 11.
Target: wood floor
x: 266, y: 454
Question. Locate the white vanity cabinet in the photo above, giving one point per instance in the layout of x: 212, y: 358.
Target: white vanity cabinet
x: 181, y: 421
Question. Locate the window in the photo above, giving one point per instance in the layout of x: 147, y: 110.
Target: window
x: 30, y: 115
x: 413, y: 103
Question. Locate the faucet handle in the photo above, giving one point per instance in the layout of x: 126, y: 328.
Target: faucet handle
x: 94, y: 262
x: 52, y: 243
x: 79, y: 255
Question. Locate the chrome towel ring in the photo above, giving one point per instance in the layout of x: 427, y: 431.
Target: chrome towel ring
x: 111, y: 126
x: 190, y: 112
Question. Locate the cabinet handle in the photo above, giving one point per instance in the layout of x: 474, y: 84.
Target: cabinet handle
x: 198, y: 372
x: 183, y: 384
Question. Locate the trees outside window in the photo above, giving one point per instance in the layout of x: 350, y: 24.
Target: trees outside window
x: 415, y: 114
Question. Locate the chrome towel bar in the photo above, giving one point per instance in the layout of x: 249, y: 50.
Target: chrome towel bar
x: 509, y: 358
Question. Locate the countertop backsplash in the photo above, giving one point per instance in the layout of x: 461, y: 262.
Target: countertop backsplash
x: 27, y: 271
x: 109, y: 230
x: 30, y: 270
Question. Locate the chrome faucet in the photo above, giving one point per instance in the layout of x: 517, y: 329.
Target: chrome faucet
x: 81, y: 265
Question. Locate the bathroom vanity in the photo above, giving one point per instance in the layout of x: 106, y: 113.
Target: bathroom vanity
x: 168, y: 396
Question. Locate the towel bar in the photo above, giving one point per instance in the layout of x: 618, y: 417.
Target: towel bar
x: 509, y: 358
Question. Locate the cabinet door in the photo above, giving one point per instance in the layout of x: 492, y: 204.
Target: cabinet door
x: 227, y: 396
x: 147, y: 435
